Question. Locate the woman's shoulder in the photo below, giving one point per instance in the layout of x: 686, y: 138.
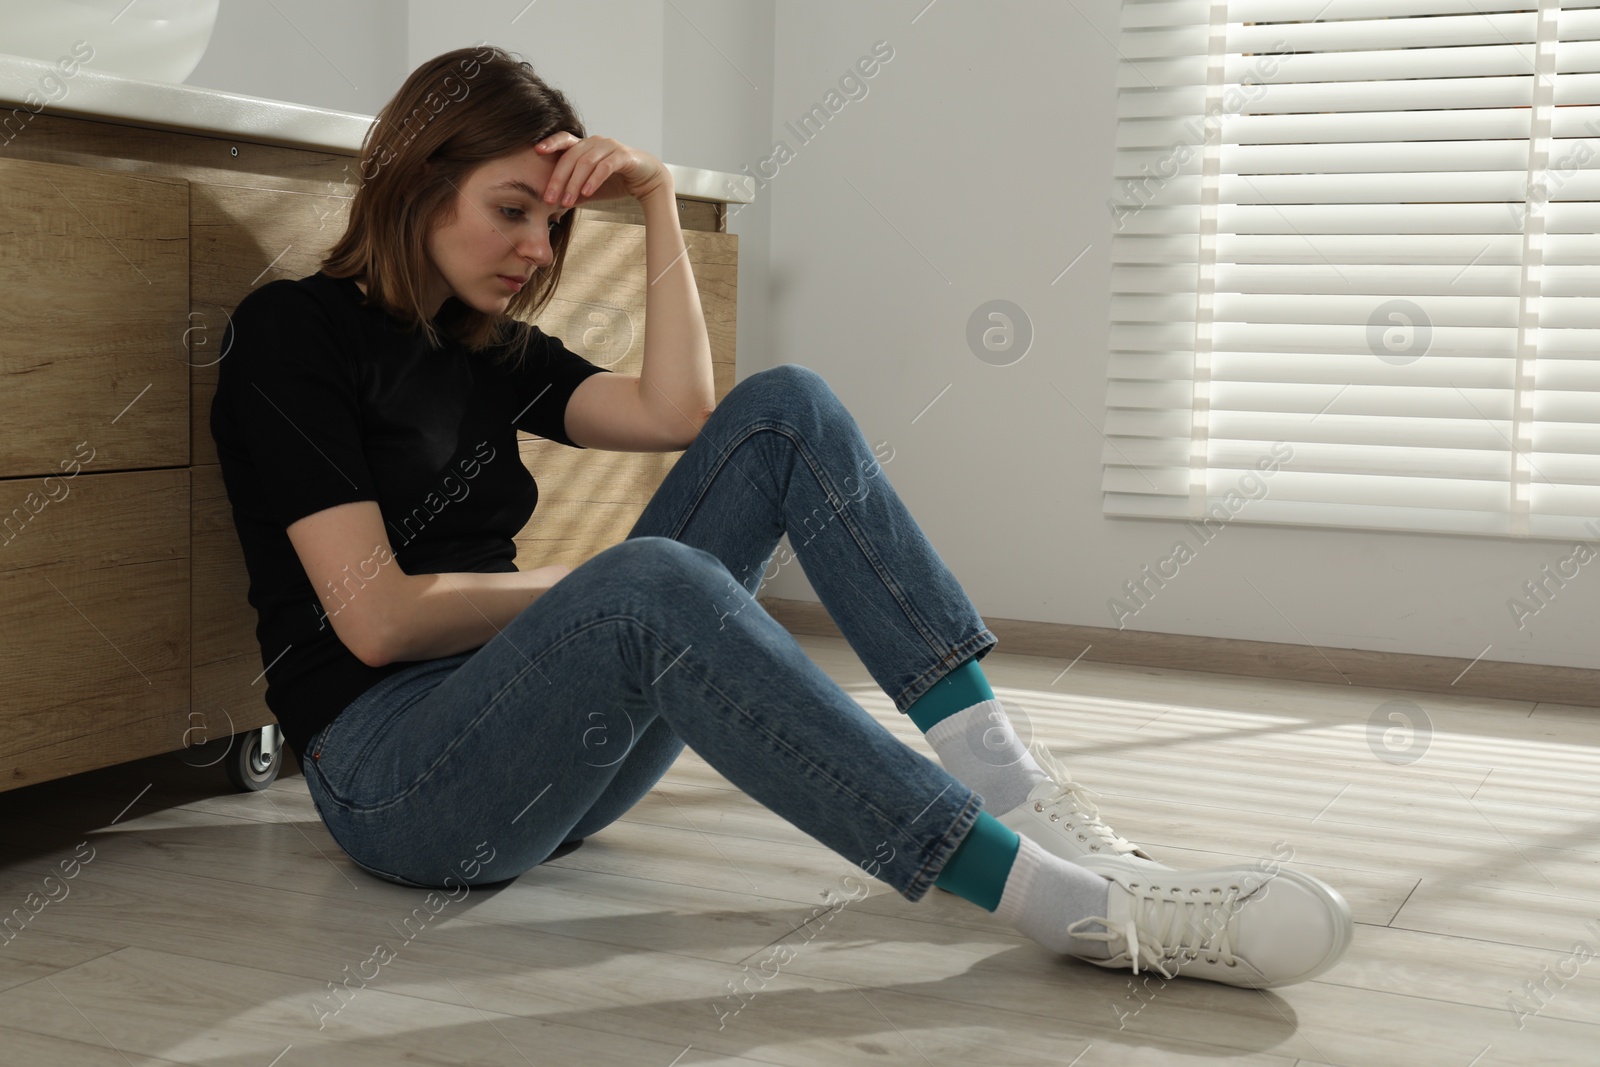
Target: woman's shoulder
x: 287, y: 301
x: 286, y: 319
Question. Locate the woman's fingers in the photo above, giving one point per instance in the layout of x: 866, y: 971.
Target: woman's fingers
x: 588, y: 172
x: 585, y: 165
x: 561, y: 142
x: 603, y: 167
x: 558, y: 173
x: 571, y: 169
x: 573, y: 178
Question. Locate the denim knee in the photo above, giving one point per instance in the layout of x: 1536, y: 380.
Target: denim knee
x: 782, y: 389
x: 653, y: 560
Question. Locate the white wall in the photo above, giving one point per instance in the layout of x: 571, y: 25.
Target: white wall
x: 718, y: 94
x: 986, y: 143
x: 605, y: 55
x: 348, y: 56
x: 976, y: 167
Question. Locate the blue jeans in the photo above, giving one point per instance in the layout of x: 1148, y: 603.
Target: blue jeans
x: 473, y: 768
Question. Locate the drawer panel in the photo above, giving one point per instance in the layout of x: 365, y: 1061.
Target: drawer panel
x: 95, y: 267
x: 94, y: 621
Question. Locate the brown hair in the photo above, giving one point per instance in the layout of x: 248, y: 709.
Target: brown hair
x: 455, y: 112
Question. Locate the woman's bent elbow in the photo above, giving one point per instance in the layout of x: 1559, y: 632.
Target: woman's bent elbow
x: 371, y: 646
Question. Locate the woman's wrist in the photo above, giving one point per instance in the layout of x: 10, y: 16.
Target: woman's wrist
x: 662, y: 189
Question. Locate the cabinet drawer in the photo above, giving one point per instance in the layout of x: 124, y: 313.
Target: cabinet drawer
x: 95, y: 268
x: 94, y: 620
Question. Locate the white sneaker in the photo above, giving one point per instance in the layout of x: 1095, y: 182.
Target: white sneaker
x: 1059, y: 815
x: 1252, y: 925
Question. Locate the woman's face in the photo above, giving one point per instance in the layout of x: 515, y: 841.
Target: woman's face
x: 500, y: 230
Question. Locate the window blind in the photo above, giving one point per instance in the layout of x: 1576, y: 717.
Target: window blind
x: 1355, y: 268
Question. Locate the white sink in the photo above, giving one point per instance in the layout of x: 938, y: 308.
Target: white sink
x: 155, y: 40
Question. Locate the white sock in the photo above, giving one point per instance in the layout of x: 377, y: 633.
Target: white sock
x: 979, y: 746
x: 1044, y: 894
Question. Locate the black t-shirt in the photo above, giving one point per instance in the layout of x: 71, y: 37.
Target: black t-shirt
x: 323, y: 399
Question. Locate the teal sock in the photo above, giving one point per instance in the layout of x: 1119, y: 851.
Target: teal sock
x: 1050, y: 894
x: 973, y: 737
x: 956, y: 691
x: 977, y: 869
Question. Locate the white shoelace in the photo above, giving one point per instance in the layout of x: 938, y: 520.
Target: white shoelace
x: 1173, y: 926
x: 1076, y: 798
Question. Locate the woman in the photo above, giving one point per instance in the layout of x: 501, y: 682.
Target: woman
x: 459, y: 719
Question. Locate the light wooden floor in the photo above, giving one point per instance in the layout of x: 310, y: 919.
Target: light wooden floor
x: 208, y: 923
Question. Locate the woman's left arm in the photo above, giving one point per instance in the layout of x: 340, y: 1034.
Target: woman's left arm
x: 675, y: 381
x: 675, y: 385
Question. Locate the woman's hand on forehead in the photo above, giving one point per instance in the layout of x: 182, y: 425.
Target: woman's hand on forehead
x: 598, y: 168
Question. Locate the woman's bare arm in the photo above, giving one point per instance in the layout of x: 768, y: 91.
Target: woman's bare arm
x: 675, y: 379
x: 442, y: 614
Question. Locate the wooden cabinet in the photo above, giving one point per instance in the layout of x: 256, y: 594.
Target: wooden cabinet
x: 124, y: 628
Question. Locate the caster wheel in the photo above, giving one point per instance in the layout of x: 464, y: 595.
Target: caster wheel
x: 253, y: 763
